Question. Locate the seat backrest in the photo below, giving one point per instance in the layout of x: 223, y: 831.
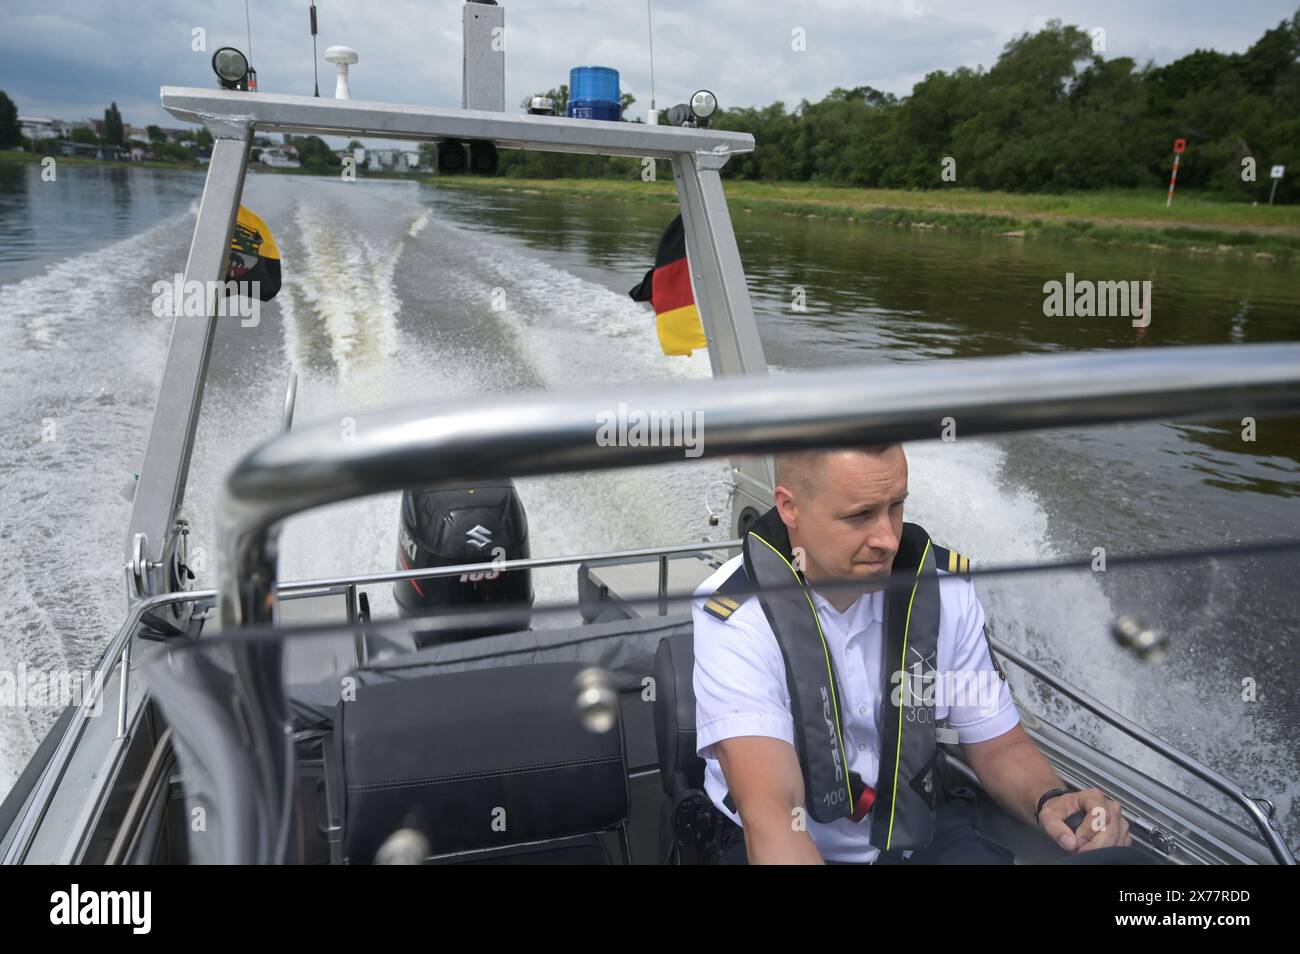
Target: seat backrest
x: 679, y: 767
x: 476, y: 760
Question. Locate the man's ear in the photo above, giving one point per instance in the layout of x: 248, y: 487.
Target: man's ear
x: 786, y: 508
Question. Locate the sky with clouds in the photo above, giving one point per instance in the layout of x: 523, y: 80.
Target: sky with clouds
x: 69, y: 58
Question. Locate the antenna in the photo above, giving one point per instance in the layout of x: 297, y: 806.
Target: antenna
x: 650, y: 24
x: 252, y: 73
x: 315, y: 75
x: 248, y: 25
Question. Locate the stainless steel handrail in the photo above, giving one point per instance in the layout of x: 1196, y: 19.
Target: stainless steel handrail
x: 25, y: 826
x: 552, y: 433
x: 1279, y: 848
x: 503, y: 566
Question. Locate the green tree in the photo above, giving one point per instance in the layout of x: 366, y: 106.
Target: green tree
x: 11, y: 133
x: 316, y: 155
x: 1049, y: 115
x: 86, y: 135
x: 155, y: 134
x: 113, y: 131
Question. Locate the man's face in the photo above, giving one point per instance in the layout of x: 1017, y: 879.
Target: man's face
x: 850, y: 524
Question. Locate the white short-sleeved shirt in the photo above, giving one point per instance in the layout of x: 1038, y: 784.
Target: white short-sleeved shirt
x: 740, y: 687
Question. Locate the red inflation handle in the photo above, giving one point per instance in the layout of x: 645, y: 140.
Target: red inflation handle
x: 1179, y: 146
x: 866, y: 798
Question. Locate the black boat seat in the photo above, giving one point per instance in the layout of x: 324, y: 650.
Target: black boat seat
x: 488, y: 764
x: 690, y: 826
x: 679, y: 767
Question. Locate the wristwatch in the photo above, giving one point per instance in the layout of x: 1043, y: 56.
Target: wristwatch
x: 1047, y: 796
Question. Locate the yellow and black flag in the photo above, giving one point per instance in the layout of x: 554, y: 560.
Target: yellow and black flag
x: 254, y: 256
x: 667, y: 287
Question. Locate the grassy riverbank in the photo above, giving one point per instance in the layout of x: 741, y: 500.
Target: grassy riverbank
x: 1110, y: 217
x: 8, y: 155
x: 16, y: 155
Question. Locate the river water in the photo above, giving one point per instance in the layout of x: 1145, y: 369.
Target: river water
x: 396, y: 291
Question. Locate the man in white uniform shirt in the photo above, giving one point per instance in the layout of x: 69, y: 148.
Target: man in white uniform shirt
x: 843, y: 512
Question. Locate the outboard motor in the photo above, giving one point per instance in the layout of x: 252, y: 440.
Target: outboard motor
x: 472, y: 523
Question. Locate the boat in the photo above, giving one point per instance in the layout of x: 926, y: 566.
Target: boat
x: 278, y: 721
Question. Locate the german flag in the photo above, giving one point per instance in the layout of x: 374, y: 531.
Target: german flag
x: 667, y: 287
x: 254, y: 256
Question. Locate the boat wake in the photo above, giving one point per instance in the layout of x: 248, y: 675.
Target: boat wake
x: 80, y: 352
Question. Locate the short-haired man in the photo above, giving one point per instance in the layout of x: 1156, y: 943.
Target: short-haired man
x: 818, y: 740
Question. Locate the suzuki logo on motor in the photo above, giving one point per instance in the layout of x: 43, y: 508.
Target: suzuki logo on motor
x: 408, y: 546
x: 480, y: 536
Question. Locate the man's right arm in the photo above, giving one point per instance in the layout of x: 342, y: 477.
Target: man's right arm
x: 743, y: 720
x: 764, y: 780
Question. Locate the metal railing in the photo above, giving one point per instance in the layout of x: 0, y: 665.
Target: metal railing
x: 554, y: 433
x: 1262, y: 819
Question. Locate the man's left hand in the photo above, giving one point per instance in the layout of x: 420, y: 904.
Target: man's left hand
x: 1103, y: 826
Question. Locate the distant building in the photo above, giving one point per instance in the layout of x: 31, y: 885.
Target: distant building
x: 277, y: 159
x: 69, y: 148
x: 392, y: 160
x: 42, y: 127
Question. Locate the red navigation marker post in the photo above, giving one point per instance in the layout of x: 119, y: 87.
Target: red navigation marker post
x: 1179, y: 146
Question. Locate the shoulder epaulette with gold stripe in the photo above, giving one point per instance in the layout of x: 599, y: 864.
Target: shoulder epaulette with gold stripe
x: 721, y: 604
x: 950, y: 561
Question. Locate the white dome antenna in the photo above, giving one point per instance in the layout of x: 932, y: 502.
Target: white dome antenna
x: 342, y: 57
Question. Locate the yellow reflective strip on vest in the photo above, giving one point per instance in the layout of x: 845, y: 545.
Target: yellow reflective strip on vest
x: 952, y: 561
x: 898, y: 751
x: 728, y: 602
x: 965, y: 564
